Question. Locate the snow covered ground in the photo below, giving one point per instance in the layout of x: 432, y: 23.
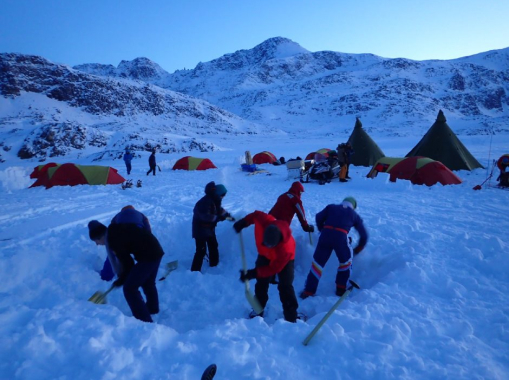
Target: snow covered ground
x: 434, y: 302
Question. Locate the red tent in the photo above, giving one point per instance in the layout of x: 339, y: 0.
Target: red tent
x: 72, y: 175
x: 41, y: 170
x: 418, y: 170
x: 323, y: 151
x: 193, y: 163
x: 264, y: 158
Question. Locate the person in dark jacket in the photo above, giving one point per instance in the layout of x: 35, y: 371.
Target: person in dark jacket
x: 128, y: 156
x: 126, y: 239
x: 276, y: 255
x: 206, y: 214
x: 152, y: 163
x: 128, y: 214
x: 334, y: 222
x: 289, y: 204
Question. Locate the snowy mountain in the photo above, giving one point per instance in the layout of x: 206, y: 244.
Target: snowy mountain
x: 279, y: 83
x: 50, y: 110
x: 275, y: 88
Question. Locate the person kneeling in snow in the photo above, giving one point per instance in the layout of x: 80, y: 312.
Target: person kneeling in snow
x: 276, y: 255
x: 334, y: 222
x: 124, y: 239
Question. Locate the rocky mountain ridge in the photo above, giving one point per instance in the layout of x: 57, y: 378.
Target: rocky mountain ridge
x: 275, y: 87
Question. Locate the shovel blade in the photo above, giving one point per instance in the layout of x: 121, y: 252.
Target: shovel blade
x: 98, y: 298
x: 172, y: 265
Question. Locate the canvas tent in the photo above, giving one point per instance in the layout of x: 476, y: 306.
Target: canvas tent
x: 72, y: 175
x: 323, y: 151
x: 193, y: 163
x: 264, y: 158
x: 366, y: 151
x: 41, y: 170
x: 418, y: 170
x: 441, y: 144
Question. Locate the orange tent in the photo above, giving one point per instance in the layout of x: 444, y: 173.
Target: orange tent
x: 41, y: 170
x: 193, y: 163
x: 418, y: 170
x: 72, y: 175
x: 264, y: 158
x: 323, y: 151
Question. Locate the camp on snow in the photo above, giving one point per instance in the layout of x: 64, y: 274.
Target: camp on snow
x: 193, y: 163
x: 418, y: 170
x: 365, y: 151
x: 71, y: 175
x: 440, y: 143
x: 264, y: 158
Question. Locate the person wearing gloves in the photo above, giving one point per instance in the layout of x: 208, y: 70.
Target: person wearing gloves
x: 206, y: 214
x: 128, y: 214
x: 289, y: 204
x: 334, y: 223
x: 124, y: 240
x: 276, y: 254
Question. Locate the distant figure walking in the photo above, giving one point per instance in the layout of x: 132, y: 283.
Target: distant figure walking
x: 152, y: 163
x: 128, y: 156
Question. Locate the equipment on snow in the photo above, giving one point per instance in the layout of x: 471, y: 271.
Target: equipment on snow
x: 250, y: 298
x: 138, y: 184
x: 329, y: 313
x: 209, y: 372
x: 127, y: 184
x: 159, y: 167
x: 170, y: 267
x: 321, y: 171
x: 99, y: 297
x: 479, y: 187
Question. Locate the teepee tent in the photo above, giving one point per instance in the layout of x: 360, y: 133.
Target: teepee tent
x: 72, y: 175
x: 441, y: 143
x: 264, y: 158
x: 193, y: 163
x: 366, y: 151
x: 418, y: 170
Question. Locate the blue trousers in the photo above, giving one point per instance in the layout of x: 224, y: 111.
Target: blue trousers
x: 330, y: 240
x: 142, y: 274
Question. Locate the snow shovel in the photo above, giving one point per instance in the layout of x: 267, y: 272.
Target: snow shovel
x: 250, y: 298
x: 170, y: 267
x: 159, y: 167
x: 329, y: 313
x: 100, y: 297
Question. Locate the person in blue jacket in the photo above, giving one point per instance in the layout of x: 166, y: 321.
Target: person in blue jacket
x: 128, y: 156
x: 128, y: 214
x: 206, y: 214
x: 334, y: 223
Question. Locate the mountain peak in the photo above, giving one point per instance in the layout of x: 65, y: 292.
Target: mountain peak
x: 140, y: 68
x: 278, y: 47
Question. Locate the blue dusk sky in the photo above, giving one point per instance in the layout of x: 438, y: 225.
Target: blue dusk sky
x: 179, y: 34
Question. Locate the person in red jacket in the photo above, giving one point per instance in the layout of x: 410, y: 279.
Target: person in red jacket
x: 276, y: 255
x: 289, y: 204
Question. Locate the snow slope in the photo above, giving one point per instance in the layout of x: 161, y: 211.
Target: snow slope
x: 433, y: 304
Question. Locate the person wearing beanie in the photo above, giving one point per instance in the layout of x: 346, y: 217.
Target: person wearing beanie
x: 334, y: 223
x: 289, y: 204
x: 276, y: 255
x: 206, y: 214
x: 97, y: 233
